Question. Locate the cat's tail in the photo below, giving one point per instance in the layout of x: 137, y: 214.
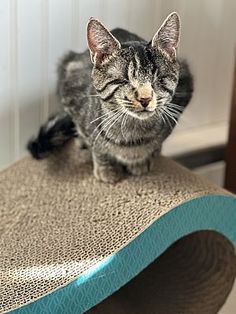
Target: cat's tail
x: 56, y: 132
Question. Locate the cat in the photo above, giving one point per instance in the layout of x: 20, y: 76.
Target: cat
x: 122, y: 97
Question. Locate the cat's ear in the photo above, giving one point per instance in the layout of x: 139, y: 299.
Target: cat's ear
x: 167, y: 37
x: 101, y: 42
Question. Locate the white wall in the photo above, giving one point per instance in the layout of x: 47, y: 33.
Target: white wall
x: 34, y: 34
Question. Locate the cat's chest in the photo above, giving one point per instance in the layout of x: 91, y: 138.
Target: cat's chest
x: 130, y: 152
x: 130, y: 143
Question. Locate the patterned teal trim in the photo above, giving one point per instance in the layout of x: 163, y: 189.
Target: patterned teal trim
x: 211, y: 212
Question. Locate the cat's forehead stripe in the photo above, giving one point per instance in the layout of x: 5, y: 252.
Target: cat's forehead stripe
x: 137, y: 61
x: 144, y: 59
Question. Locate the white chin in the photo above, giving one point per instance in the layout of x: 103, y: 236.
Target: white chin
x: 142, y: 115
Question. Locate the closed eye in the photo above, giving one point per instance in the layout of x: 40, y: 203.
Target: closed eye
x: 114, y: 85
x: 112, y: 82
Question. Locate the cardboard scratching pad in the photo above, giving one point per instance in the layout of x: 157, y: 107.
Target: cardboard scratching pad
x: 68, y: 242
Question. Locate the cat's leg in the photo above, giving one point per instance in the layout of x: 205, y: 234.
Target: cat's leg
x: 105, y: 169
x: 147, y: 165
x: 137, y: 169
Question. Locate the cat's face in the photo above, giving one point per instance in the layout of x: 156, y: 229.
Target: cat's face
x: 136, y: 77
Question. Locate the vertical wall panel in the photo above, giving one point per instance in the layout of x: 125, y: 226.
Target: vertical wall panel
x: 44, y: 60
x: 61, y: 17
x: 14, y: 86
x: 29, y: 69
x: 75, y: 27
x: 140, y: 18
x: 5, y: 106
x: 116, y: 14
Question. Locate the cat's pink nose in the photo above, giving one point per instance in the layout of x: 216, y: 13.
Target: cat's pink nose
x: 145, y: 101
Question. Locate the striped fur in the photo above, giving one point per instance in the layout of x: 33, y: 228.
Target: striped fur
x: 128, y: 99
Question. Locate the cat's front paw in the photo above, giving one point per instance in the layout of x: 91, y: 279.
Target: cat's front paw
x: 107, y: 174
x: 139, y: 169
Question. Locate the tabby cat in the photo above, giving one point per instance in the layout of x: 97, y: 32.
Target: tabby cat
x: 121, y: 98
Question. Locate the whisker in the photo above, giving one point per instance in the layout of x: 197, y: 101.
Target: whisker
x: 170, y: 115
x: 104, y: 126
x: 173, y: 112
x: 106, y: 120
x: 116, y: 120
x: 107, y: 124
x: 123, y: 100
x: 175, y: 105
x: 128, y: 106
x: 165, y: 116
x: 105, y: 114
x: 165, y: 119
x: 123, y: 123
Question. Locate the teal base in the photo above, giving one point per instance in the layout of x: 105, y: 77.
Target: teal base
x: 211, y: 212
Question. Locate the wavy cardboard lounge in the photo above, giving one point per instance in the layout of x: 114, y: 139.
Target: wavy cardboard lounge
x: 68, y: 242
